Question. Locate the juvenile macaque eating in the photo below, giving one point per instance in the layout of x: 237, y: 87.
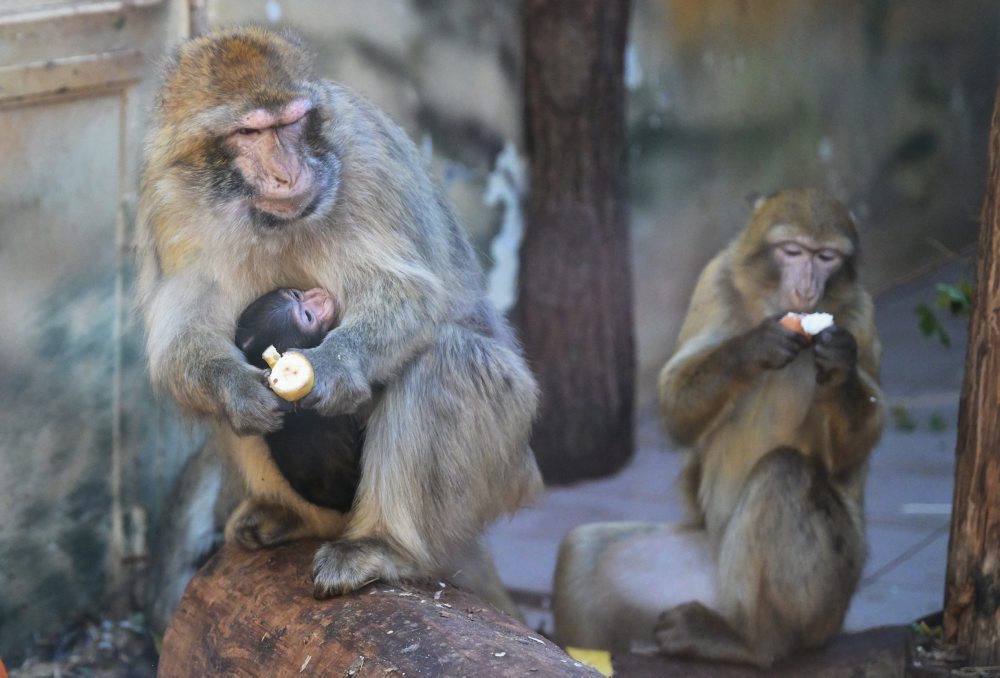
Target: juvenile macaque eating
x: 778, y: 423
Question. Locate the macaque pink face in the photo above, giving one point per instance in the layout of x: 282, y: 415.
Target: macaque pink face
x: 313, y: 311
x: 269, y: 150
x: 805, y: 265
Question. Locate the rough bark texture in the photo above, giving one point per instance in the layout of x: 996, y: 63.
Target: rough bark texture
x: 972, y: 594
x: 252, y: 614
x: 575, y: 292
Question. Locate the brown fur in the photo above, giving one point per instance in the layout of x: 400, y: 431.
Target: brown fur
x: 446, y: 450
x: 778, y: 456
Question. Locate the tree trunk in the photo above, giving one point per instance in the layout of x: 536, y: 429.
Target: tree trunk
x: 972, y: 593
x: 251, y: 613
x: 574, y: 306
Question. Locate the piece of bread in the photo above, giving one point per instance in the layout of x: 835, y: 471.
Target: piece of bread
x: 807, y: 324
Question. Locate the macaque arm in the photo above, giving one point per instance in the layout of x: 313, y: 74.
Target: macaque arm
x: 697, y: 387
x: 856, y: 427
x: 848, y: 418
x: 709, y: 370
x: 190, y: 352
x: 389, y: 317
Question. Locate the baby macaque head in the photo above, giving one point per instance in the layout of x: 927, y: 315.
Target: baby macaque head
x: 285, y: 318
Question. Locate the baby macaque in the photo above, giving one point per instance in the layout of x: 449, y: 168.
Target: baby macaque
x: 319, y: 456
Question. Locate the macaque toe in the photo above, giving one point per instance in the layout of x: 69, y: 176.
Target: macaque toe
x: 343, y: 566
x: 259, y: 525
x: 673, y: 632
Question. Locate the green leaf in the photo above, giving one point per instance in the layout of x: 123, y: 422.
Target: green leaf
x: 956, y: 299
x: 938, y: 423
x: 904, y: 422
x: 930, y: 326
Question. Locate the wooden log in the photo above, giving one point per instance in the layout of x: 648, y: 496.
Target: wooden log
x: 251, y: 613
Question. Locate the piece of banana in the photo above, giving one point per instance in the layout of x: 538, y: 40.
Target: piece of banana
x: 291, y: 375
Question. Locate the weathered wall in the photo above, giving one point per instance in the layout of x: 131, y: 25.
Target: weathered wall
x: 75, y: 407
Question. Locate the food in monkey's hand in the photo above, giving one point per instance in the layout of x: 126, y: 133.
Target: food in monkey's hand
x: 291, y: 375
x: 808, y: 324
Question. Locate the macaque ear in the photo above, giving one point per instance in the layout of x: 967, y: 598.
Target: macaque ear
x: 755, y: 200
x: 246, y: 342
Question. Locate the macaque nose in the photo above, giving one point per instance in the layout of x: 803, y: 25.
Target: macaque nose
x: 804, y: 300
x: 284, y: 176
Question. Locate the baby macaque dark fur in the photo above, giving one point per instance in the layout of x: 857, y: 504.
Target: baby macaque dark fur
x: 319, y: 456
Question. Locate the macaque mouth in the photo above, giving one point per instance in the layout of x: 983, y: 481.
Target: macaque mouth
x: 275, y: 212
x: 285, y: 208
x: 272, y: 220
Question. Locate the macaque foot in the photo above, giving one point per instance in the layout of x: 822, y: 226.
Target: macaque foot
x: 258, y: 524
x: 693, y: 630
x: 343, y: 566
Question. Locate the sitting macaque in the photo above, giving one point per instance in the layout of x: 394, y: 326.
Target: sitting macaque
x: 779, y: 424
x: 259, y: 174
x: 319, y: 456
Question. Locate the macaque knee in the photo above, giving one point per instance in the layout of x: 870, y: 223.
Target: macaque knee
x: 613, y: 580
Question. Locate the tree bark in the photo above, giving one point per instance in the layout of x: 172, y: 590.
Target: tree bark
x: 972, y: 593
x: 574, y: 307
x: 252, y: 614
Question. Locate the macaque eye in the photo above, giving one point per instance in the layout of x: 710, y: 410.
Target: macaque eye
x: 828, y: 256
x: 248, y: 131
x: 309, y: 317
x: 791, y: 250
x: 296, y: 295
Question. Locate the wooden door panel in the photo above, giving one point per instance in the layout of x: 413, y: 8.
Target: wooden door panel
x: 76, y: 82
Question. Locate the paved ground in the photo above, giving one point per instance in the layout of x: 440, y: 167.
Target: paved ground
x: 909, y: 488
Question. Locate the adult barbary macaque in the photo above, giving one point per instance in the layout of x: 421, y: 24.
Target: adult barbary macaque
x: 780, y: 430
x: 260, y: 176
x: 779, y: 427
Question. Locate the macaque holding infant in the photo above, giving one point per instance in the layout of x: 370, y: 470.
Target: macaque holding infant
x: 260, y: 175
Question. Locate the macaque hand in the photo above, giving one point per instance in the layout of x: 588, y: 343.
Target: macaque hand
x: 772, y: 346
x: 836, y: 355
x: 250, y: 406
x: 340, y: 386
